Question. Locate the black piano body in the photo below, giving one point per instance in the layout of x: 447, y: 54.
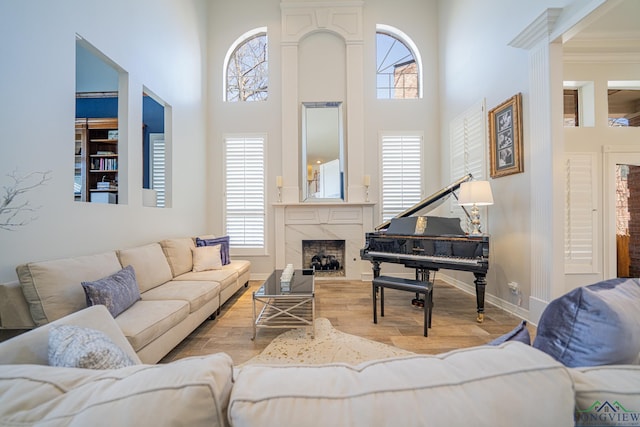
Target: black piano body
x: 430, y: 243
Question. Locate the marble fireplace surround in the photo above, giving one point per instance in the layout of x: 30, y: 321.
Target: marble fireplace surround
x: 295, y: 222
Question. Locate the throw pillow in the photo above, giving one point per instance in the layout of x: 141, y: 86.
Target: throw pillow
x: 117, y: 292
x: 519, y: 333
x: 77, y: 347
x: 224, y: 250
x: 206, y: 258
x: 593, y: 325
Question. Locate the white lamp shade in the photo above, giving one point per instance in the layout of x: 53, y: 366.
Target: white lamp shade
x: 475, y: 193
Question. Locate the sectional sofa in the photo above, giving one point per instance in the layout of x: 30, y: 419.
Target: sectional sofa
x: 172, y: 291
x: 511, y: 384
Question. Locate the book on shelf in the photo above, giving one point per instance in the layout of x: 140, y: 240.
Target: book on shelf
x: 104, y: 164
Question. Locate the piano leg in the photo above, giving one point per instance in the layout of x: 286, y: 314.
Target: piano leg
x: 481, y: 283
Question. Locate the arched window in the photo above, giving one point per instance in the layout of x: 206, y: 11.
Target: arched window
x: 246, y: 76
x: 398, y: 65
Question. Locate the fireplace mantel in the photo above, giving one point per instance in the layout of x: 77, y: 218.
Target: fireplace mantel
x: 295, y: 222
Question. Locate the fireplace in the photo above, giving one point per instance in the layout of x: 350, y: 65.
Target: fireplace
x: 326, y: 257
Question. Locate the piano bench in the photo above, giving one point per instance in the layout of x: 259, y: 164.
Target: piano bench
x: 416, y: 286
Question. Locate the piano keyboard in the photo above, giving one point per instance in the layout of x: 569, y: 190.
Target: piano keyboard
x: 443, y: 259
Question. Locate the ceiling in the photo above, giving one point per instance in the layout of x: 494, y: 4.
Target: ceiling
x: 611, y: 33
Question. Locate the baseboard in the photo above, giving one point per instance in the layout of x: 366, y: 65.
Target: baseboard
x: 488, y: 298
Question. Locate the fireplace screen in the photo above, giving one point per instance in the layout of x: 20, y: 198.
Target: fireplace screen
x: 325, y: 256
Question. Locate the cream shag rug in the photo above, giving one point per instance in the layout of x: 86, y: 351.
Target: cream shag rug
x: 328, y: 346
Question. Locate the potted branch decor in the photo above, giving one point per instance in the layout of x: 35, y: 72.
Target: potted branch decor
x: 13, y: 211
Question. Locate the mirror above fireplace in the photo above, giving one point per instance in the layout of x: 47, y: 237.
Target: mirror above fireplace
x: 322, y: 164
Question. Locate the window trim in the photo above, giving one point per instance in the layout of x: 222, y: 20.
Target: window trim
x: 239, y: 41
x: 408, y: 42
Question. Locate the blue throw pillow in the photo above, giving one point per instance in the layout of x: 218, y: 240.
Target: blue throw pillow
x: 593, y: 325
x: 117, y: 292
x: 519, y: 333
x: 224, y: 248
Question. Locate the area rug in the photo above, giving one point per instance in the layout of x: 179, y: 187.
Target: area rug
x: 329, y: 345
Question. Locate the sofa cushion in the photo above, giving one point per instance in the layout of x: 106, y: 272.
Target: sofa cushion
x: 77, y: 347
x: 150, y: 264
x: 53, y: 288
x: 117, y: 292
x: 607, y: 395
x: 145, y: 321
x: 241, y: 266
x: 213, y: 241
x: 593, y: 325
x: 225, y: 277
x: 196, y: 293
x: 519, y: 333
x: 494, y: 385
x: 206, y: 258
x: 178, y: 253
x: 192, y: 392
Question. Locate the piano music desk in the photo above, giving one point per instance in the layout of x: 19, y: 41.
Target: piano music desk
x: 416, y: 286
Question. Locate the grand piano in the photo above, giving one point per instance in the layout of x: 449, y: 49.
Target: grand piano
x: 430, y: 243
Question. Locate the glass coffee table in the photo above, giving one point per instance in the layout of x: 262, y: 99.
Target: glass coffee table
x: 282, y: 307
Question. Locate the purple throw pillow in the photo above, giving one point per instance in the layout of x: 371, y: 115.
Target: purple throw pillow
x: 117, y: 292
x: 519, y: 333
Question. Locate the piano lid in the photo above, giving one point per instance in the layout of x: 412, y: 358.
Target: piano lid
x: 433, y: 201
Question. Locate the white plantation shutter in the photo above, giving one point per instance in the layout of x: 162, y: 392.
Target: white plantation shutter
x: 244, y: 192
x: 467, y: 136
x: 580, y: 215
x: 158, y: 168
x: 401, y: 159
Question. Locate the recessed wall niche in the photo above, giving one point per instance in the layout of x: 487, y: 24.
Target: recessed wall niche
x: 623, y: 99
x: 156, y: 158
x: 98, y: 150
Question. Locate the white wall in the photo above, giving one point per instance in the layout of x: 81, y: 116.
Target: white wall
x: 229, y: 20
x: 476, y: 62
x: 592, y: 140
x: 160, y: 43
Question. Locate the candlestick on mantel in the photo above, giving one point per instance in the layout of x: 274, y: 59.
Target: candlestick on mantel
x: 279, y: 185
x: 366, y: 181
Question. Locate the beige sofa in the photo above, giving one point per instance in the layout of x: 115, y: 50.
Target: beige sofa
x: 174, y: 299
x: 506, y: 385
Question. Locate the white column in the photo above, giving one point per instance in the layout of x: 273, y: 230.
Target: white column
x: 546, y: 150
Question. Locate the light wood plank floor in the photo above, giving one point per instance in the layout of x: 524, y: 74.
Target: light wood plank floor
x: 347, y: 304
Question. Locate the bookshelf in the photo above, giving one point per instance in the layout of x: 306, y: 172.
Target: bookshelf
x: 100, y: 161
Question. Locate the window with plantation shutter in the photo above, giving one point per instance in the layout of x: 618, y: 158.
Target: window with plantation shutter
x: 244, y: 192
x: 467, y: 136
x: 580, y: 215
x: 158, y: 168
x: 401, y: 165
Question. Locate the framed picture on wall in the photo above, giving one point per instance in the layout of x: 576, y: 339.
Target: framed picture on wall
x: 505, y: 137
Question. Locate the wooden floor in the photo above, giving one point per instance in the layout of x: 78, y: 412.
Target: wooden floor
x: 348, y: 305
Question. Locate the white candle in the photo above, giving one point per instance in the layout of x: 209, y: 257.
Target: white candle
x: 366, y: 180
x: 279, y: 181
